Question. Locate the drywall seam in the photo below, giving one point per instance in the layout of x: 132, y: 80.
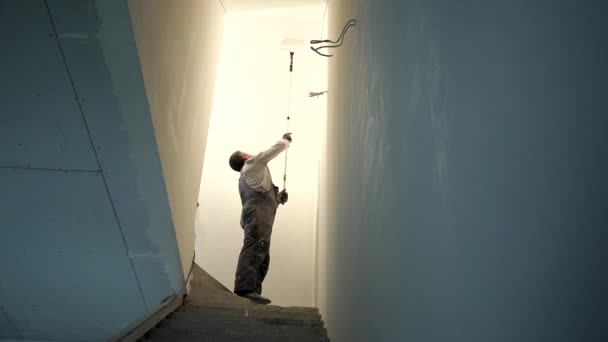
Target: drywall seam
x: 46, y: 169
x: 224, y: 7
x: 86, y: 125
x: 315, y: 246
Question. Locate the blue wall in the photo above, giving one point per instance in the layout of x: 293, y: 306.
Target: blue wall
x: 467, y: 164
x: 87, y: 244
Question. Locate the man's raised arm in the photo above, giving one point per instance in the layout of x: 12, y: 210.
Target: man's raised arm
x: 266, y: 156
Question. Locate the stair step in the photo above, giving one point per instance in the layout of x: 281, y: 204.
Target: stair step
x: 216, y: 338
x: 251, y: 329
x: 245, y: 326
x: 188, y: 312
x: 258, y: 307
x: 272, y: 319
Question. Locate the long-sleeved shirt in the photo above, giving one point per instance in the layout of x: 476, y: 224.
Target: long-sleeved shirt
x: 255, y: 172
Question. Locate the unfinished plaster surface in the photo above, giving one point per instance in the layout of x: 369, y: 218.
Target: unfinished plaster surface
x: 466, y: 164
x: 178, y: 44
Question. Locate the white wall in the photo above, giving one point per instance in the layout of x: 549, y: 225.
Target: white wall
x: 250, y: 114
x: 178, y: 44
x: 467, y: 164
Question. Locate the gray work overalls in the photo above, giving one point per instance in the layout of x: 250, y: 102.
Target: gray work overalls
x: 257, y: 217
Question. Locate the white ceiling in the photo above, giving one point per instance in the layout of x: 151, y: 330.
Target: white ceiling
x: 256, y: 5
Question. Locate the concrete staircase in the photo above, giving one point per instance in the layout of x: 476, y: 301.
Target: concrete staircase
x: 213, y: 313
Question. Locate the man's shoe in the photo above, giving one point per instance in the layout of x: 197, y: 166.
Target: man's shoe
x: 256, y: 298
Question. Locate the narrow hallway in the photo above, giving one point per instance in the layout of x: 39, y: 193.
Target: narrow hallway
x: 449, y: 185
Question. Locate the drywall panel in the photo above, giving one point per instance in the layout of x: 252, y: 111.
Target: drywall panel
x: 466, y: 171
x: 41, y: 125
x: 85, y: 252
x: 105, y: 68
x: 66, y: 272
x: 178, y: 45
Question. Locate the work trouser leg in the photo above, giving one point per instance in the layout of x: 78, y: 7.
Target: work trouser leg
x: 262, y: 271
x: 253, y: 259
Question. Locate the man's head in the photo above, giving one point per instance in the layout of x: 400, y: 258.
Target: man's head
x: 237, y: 160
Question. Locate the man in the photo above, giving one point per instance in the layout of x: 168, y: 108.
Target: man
x: 260, y: 199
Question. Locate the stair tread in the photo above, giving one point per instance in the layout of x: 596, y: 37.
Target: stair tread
x: 200, y: 313
x: 254, y: 330
x: 258, y: 307
x: 209, y: 318
x: 236, y: 339
x: 244, y: 326
x: 208, y: 338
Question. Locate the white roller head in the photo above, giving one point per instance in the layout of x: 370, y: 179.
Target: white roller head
x: 292, y: 44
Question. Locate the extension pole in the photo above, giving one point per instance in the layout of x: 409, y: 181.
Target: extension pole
x: 288, y: 105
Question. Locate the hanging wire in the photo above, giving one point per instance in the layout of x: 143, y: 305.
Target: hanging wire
x: 336, y: 43
x: 323, y: 20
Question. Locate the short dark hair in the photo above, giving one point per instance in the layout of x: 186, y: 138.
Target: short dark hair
x: 236, y: 161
